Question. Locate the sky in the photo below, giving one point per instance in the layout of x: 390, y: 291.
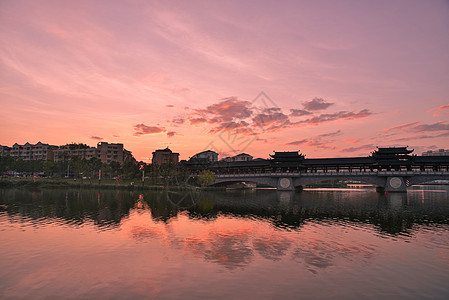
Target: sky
x: 328, y: 78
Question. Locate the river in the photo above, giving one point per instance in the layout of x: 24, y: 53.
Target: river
x: 263, y: 244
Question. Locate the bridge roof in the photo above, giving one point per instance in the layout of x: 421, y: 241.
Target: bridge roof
x: 431, y: 159
x: 240, y: 164
x: 338, y: 161
x: 393, y: 150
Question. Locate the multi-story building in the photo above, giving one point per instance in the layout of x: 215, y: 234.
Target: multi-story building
x: 106, y: 152
x: 242, y: 157
x: 238, y: 157
x: 4, y: 151
x: 67, y: 151
x: 440, y: 152
x: 207, y: 155
x: 110, y: 152
x: 164, y: 157
x: 33, y: 151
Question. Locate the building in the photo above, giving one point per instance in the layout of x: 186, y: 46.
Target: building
x: 39, y: 151
x: 440, y: 152
x: 4, y: 151
x: 81, y: 150
x: 164, y: 157
x: 241, y: 157
x: 208, y: 155
x: 106, y: 152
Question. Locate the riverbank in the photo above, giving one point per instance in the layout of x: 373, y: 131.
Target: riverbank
x: 55, y: 183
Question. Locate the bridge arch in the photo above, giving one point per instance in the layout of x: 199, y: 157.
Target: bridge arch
x: 396, y: 181
x: 375, y: 181
x: 258, y: 180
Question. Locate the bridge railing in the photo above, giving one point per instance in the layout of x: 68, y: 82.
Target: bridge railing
x: 336, y: 174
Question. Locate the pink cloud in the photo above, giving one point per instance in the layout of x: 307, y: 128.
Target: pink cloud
x: 342, y: 115
x: 438, y: 126
x: 442, y: 107
x: 351, y: 141
x: 142, y: 129
x: 227, y: 109
x: 400, y: 127
x: 356, y: 149
x: 316, y: 104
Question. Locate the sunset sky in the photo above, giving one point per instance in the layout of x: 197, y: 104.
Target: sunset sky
x: 329, y: 78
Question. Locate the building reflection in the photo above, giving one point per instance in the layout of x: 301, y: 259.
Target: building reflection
x: 141, y: 203
x: 393, y: 213
x: 233, y: 229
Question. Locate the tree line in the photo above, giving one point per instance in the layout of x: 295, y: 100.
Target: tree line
x: 81, y: 168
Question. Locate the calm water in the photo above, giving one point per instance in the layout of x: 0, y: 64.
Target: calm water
x: 326, y: 244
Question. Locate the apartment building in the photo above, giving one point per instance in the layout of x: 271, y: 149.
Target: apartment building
x: 238, y: 157
x: 106, y: 152
x: 439, y: 152
x: 4, y: 151
x: 208, y: 155
x: 32, y: 151
x: 111, y: 152
x: 164, y: 157
x: 70, y: 150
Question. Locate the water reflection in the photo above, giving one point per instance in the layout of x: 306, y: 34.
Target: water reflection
x: 169, y: 242
x: 140, y: 203
x: 394, y: 213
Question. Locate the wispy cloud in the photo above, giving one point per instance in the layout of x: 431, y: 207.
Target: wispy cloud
x: 226, y: 110
x: 442, y: 107
x: 323, y: 141
x: 351, y: 141
x: 299, y: 142
x: 271, y: 118
x: 330, y: 134
x: 438, y: 126
x: 178, y: 121
x: 342, y: 115
x: 399, y: 127
x: 239, y: 116
x: 416, y: 131
x: 360, y: 148
x: 317, y: 104
x: 299, y: 112
x: 141, y: 129
x: 421, y: 137
x: 96, y: 138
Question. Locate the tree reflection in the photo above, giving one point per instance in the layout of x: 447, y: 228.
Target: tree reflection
x: 235, y: 229
x: 392, y: 214
x: 230, y: 249
x: 272, y: 246
x: 318, y: 254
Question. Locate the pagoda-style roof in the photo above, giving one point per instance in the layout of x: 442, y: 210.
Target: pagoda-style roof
x: 392, y: 150
x: 287, y: 156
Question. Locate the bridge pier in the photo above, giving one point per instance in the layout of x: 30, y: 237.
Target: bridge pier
x: 395, y: 184
x: 285, y: 184
x: 385, y: 181
x: 380, y: 189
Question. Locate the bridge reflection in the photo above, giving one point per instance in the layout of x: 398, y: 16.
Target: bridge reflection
x: 392, y: 214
